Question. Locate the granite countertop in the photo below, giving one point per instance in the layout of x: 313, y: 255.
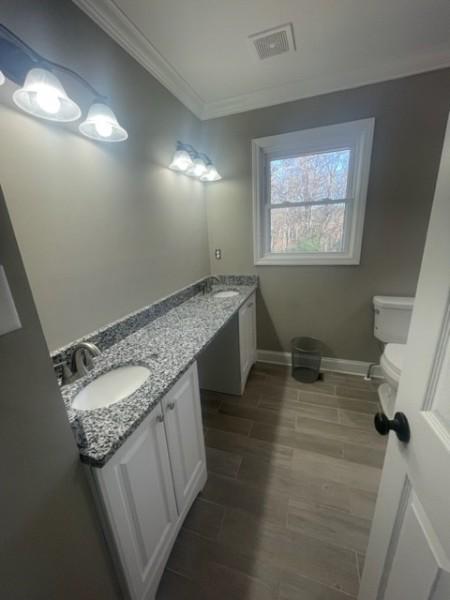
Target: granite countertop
x: 167, y: 346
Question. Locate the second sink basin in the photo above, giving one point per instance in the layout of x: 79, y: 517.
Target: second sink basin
x: 226, y: 294
x: 111, y: 387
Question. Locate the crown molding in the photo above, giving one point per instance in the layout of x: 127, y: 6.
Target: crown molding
x: 121, y: 29
x: 437, y: 59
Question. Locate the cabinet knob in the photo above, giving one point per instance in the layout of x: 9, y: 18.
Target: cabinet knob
x: 171, y: 405
x: 160, y: 419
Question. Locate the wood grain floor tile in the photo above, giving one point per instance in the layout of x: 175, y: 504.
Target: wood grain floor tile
x: 303, y: 409
x: 291, y: 383
x: 295, y: 484
x: 224, y: 583
x: 222, y: 463
x: 295, y: 587
x: 227, y: 423
x: 293, y: 473
x: 356, y: 419
x: 205, y: 518
x: 177, y: 587
x: 256, y: 376
x: 324, y: 523
x: 192, y: 557
x: 267, y: 505
x: 352, y: 474
x: 349, y: 391
x: 362, y: 503
x: 284, y: 417
x: 218, y: 583
x: 342, y: 433
x: 277, y: 392
x: 290, y: 551
x: 317, y: 386
x: 295, y: 439
x: 354, y: 404
x: 373, y: 457
x: 236, y: 443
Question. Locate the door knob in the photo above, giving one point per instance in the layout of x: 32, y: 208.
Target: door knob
x: 399, y: 424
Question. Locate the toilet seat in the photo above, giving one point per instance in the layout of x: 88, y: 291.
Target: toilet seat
x: 392, y: 361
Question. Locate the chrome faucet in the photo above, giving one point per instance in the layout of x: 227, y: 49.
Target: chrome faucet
x: 82, y: 358
x: 80, y: 364
x: 207, y: 285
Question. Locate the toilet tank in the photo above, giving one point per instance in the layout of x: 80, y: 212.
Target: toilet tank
x: 392, y: 318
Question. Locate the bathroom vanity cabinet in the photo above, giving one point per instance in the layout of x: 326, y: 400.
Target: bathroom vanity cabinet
x: 225, y: 364
x: 146, y: 489
x: 247, y: 338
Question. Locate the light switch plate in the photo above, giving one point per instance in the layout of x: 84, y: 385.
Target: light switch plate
x: 9, y: 319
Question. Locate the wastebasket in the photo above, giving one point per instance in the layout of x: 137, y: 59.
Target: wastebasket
x: 306, y: 359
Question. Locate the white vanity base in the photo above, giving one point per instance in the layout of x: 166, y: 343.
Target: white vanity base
x: 147, y: 488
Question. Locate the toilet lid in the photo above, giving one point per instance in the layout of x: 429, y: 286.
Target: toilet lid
x: 394, y: 354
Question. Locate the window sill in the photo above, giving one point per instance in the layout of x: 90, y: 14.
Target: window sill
x: 296, y: 260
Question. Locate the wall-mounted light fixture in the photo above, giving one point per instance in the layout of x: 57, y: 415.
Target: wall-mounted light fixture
x: 101, y: 124
x: 42, y: 95
x: 195, y: 164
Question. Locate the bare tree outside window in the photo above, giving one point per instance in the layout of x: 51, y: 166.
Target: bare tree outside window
x: 319, y: 181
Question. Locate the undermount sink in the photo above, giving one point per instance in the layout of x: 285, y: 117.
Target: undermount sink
x: 111, y: 387
x: 226, y: 294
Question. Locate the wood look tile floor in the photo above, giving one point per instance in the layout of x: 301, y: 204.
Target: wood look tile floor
x: 293, y: 473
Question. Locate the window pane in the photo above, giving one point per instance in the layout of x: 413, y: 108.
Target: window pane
x: 308, y: 228
x: 309, y: 178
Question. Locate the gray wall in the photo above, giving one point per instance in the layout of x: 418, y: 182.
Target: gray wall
x: 334, y: 303
x: 103, y: 229
x: 50, y: 544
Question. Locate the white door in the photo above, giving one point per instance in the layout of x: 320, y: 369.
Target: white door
x: 408, y: 557
x: 247, y: 336
x: 184, y: 431
x: 137, y: 490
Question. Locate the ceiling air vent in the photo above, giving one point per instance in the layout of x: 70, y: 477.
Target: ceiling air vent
x: 274, y: 41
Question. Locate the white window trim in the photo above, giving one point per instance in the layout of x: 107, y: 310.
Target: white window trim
x: 356, y: 135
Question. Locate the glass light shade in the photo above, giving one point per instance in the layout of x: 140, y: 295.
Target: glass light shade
x: 43, y: 96
x: 2, y: 78
x: 181, y: 161
x: 101, y: 124
x: 198, y: 168
x: 211, y: 174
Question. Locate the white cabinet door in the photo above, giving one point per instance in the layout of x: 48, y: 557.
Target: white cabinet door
x: 137, y: 491
x: 247, y: 336
x: 184, y: 431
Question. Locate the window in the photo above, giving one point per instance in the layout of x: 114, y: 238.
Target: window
x: 309, y: 195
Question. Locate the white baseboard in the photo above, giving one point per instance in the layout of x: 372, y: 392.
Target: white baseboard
x: 337, y: 365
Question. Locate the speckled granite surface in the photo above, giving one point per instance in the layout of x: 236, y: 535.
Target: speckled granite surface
x: 114, y: 332
x: 167, y: 346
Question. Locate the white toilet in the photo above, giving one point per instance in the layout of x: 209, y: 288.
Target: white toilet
x: 392, y: 319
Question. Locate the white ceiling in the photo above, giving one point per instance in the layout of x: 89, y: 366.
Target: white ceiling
x: 199, y: 49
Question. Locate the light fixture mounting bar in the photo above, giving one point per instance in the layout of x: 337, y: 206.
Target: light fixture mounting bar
x: 17, y: 58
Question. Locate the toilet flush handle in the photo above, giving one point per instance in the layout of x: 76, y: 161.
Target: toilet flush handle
x: 399, y: 424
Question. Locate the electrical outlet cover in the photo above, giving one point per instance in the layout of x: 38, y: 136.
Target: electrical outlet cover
x: 9, y: 319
